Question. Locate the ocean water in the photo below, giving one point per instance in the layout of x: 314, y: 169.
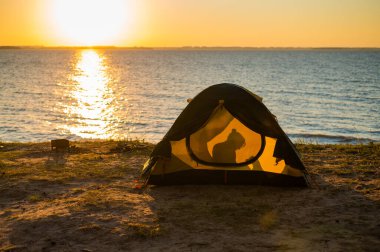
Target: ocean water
x: 321, y: 96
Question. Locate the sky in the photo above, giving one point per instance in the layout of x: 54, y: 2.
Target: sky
x: 174, y: 23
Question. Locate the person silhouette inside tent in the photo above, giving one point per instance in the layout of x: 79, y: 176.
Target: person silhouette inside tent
x: 225, y: 152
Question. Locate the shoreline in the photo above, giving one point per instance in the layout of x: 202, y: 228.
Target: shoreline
x: 87, y: 200
x: 297, y: 139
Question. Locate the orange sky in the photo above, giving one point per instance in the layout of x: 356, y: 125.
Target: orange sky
x: 170, y: 23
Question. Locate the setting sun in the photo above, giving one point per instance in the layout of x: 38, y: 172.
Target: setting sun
x: 163, y: 23
x: 90, y: 22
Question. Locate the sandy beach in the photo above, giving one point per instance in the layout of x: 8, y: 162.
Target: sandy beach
x: 87, y: 200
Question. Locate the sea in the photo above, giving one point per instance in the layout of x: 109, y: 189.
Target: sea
x: 318, y: 95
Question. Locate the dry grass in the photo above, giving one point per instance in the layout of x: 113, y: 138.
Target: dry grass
x: 86, y: 200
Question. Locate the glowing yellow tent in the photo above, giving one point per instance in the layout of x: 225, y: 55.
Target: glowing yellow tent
x: 225, y: 135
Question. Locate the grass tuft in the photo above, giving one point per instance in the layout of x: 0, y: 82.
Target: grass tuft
x: 144, y: 231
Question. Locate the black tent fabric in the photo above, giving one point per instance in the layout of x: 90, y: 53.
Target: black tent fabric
x: 243, y: 105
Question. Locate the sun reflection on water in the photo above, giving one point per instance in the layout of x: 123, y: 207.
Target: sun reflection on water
x: 91, y: 109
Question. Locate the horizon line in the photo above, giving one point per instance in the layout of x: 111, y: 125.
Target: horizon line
x: 182, y: 47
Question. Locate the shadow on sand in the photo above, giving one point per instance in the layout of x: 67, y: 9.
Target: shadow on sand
x: 94, y: 214
x: 95, y: 217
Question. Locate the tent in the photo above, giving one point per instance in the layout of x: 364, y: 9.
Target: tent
x: 225, y: 135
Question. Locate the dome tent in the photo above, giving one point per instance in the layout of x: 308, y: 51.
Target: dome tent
x: 225, y: 135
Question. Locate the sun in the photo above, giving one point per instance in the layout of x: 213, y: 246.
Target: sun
x: 91, y: 22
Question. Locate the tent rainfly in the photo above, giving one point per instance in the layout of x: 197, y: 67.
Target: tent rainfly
x: 225, y: 135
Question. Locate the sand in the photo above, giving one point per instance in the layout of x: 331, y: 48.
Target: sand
x: 87, y: 200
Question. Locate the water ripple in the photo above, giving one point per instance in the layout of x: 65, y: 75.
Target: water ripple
x: 330, y: 96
